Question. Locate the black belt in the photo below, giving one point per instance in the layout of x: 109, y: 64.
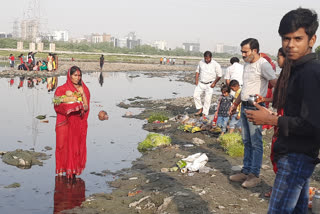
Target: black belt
x: 206, y: 82
x: 246, y: 103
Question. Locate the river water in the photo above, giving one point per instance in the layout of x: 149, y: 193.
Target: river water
x: 111, y: 145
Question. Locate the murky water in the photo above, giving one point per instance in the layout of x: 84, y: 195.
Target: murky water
x: 110, y: 144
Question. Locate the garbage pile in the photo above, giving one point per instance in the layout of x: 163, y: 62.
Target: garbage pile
x: 194, y: 124
x: 190, y: 164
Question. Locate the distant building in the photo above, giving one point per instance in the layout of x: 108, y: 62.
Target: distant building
x: 130, y: 41
x: 45, y: 37
x: 96, y: 38
x: 15, y: 29
x: 29, y: 29
x: 122, y: 43
x: 221, y: 48
x: 160, y: 44
x: 61, y: 36
x: 106, y: 37
x: 78, y: 40
x: 5, y: 35
x: 191, y: 47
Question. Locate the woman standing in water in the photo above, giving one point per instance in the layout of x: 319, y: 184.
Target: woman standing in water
x: 71, y: 126
x: 50, y: 62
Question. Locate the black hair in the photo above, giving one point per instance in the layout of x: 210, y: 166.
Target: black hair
x: 280, y: 90
x: 73, y: 69
x: 299, y: 18
x: 225, y: 88
x: 281, y: 51
x: 234, y: 59
x: 234, y: 83
x: 253, y: 43
x: 207, y: 53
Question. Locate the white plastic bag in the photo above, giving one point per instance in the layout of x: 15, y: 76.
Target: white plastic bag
x: 196, y: 161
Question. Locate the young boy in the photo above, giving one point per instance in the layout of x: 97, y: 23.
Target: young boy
x: 297, y: 148
x: 223, y: 108
x: 235, y: 118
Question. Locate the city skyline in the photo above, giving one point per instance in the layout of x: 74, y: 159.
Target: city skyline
x: 207, y: 22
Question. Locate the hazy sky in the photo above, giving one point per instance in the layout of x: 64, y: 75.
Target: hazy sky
x: 207, y: 21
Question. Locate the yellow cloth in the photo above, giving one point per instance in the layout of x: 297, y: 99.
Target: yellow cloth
x: 235, y: 97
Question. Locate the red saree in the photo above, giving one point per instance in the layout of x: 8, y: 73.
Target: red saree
x: 71, y: 132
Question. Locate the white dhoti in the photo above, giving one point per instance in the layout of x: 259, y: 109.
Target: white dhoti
x: 200, y: 88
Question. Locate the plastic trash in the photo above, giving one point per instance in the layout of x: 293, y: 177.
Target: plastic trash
x: 181, y: 164
x: 197, y: 141
x: 196, y: 161
x: 184, y: 118
x: 173, y: 169
x: 190, y: 121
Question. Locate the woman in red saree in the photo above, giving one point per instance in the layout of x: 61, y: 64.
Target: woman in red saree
x: 71, y: 126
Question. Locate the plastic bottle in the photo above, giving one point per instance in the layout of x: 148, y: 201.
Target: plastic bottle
x: 316, y: 203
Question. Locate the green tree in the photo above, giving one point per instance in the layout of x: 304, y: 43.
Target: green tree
x: 318, y: 49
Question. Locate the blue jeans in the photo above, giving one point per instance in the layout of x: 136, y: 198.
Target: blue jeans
x: 290, y: 192
x: 234, y: 123
x: 222, y: 122
x: 253, y: 145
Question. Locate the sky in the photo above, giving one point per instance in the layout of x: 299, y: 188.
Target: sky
x: 176, y: 21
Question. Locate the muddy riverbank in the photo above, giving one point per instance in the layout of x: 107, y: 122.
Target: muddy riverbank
x: 146, y: 188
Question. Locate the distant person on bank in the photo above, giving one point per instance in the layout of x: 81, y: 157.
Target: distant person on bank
x: 208, y: 73
x: 101, y: 62
x: 50, y: 62
x: 11, y: 60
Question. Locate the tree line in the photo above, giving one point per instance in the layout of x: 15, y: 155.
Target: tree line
x: 107, y: 47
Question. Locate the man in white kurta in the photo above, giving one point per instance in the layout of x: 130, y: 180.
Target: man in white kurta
x: 208, y: 73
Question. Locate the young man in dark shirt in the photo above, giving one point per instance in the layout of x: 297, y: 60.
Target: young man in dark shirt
x: 297, y: 147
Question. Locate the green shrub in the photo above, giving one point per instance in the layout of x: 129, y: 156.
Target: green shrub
x: 232, y: 144
x: 154, y: 140
x: 157, y: 116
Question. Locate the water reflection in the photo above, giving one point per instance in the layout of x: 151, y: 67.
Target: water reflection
x: 21, y: 82
x: 68, y: 193
x: 101, y: 79
x: 11, y: 82
x: 111, y: 145
x: 52, y: 83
